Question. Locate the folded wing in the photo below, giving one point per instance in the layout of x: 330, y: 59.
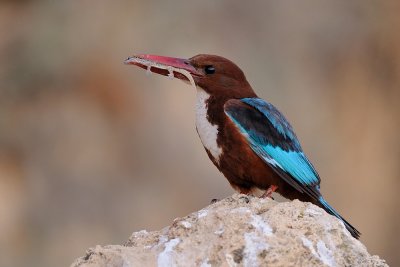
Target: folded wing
x: 272, y: 138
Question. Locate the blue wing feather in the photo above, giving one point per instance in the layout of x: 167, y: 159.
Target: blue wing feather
x: 274, y: 116
x: 272, y: 138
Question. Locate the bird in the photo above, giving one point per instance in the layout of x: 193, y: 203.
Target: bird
x: 248, y: 139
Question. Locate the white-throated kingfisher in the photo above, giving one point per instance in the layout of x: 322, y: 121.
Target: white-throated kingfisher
x: 246, y: 137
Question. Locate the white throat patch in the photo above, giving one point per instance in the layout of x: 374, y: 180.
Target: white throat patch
x: 208, y: 133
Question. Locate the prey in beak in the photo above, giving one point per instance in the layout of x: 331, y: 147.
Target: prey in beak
x: 166, y: 66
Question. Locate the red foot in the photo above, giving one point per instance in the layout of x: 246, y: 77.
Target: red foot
x: 269, y: 191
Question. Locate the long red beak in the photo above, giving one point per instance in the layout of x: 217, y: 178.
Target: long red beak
x: 162, y: 65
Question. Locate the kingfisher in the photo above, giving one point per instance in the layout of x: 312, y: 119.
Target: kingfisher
x: 250, y: 142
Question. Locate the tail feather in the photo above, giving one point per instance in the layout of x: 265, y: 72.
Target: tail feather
x: 353, y: 231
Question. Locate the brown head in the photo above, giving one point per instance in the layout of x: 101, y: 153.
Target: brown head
x: 216, y: 75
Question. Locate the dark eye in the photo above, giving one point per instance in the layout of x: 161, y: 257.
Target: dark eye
x: 209, y: 69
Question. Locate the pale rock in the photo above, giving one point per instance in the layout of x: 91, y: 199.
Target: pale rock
x: 241, y: 231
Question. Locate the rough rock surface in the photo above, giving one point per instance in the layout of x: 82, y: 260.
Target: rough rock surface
x: 241, y: 231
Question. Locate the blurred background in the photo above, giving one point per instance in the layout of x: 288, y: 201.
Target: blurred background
x: 92, y: 150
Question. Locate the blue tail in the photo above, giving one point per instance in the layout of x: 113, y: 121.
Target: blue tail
x: 353, y: 231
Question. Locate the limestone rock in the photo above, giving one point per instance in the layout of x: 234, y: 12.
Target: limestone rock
x: 241, y: 231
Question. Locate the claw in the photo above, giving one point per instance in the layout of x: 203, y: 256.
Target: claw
x: 269, y: 191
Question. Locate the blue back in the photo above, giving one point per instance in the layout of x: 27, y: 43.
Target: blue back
x: 272, y: 138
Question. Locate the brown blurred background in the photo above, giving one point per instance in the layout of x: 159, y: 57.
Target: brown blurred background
x: 92, y: 150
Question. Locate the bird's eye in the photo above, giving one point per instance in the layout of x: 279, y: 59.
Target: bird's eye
x: 209, y: 69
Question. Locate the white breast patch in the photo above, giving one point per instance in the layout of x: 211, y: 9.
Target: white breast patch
x: 208, y: 133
